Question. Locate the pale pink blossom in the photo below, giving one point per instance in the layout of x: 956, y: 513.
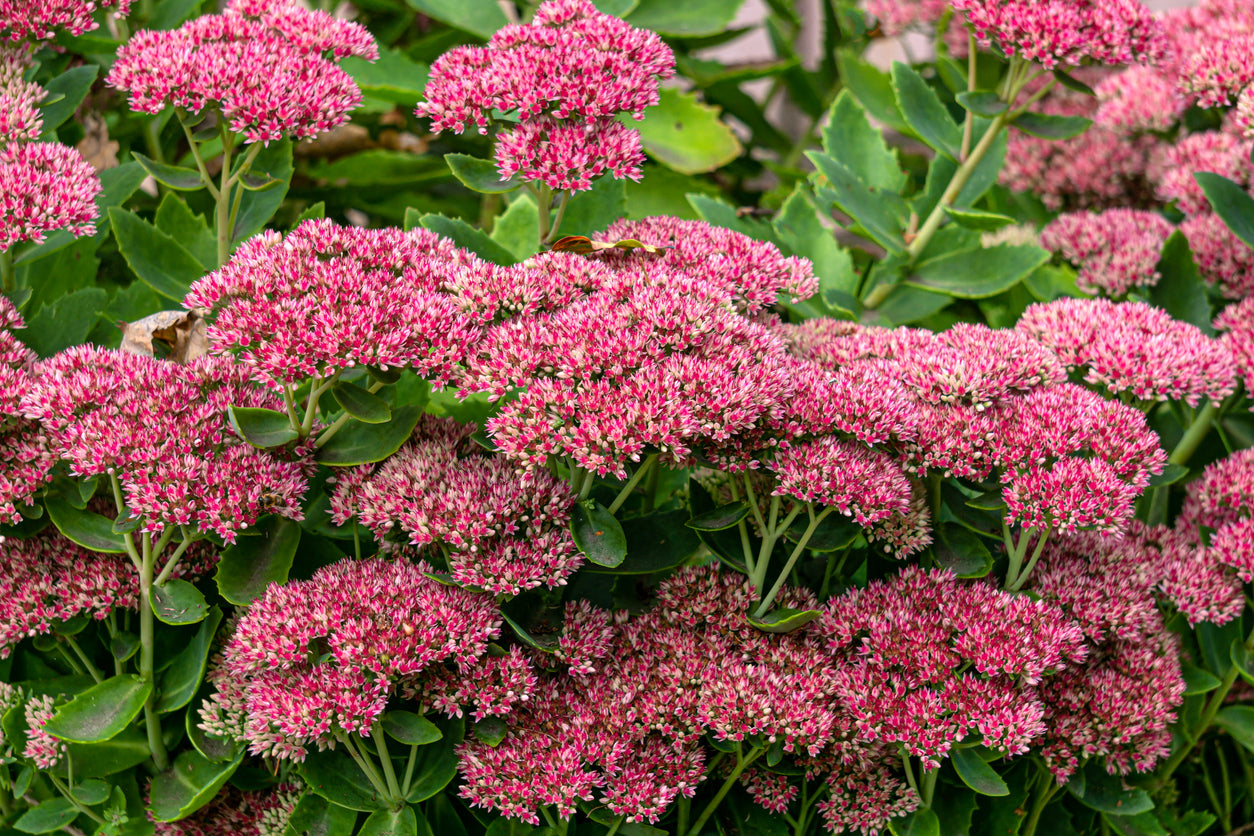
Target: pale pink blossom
x: 1115, y: 250
x: 39, y: 19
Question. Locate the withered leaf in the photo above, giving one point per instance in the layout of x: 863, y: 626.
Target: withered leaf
x: 182, y: 332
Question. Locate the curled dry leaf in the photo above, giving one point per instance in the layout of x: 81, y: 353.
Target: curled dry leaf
x: 182, y: 331
x: 582, y: 245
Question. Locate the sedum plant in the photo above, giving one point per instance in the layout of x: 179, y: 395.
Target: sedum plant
x: 635, y: 470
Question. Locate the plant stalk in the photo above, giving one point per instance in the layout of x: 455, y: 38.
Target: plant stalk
x: 152, y: 722
x: 742, y: 763
x: 8, y: 273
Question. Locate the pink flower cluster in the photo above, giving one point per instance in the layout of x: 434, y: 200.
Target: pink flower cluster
x: 929, y: 661
x: 1223, y: 259
x: 161, y: 429
x: 45, y: 187
x: 1223, y: 500
x: 20, y: 117
x: 235, y: 812
x: 1134, y: 348
x: 977, y: 402
x: 635, y: 353
x: 1140, y: 98
x: 1221, y: 152
x: 898, y: 16
x: 325, y: 298
x: 494, y: 528
x: 1237, y: 323
x: 25, y: 459
x: 38, y: 20
x: 312, y: 661
x: 1115, y: 250
x: 566, y: 75
x: 1118, y: 705
x: 1067, y: 32
x: 269, y: 66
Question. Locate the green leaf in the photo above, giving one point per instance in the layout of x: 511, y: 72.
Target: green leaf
x: 479, y: 175
x: 978, y: 220
x: 982, y: 102
x: 977, y: 774
x: 802, y: 233
x: 91, y: 792
x: 1052, y: 127
x: 873, y: 88
x: 685, y: 135
x: 363, y: 405
x: 656, y: 543
x: 1238, y: 721
x: 1198, y: 681
x: 178, y: 602
x: 263, y: 428
x: 942, y: 169
x: 315, y: 816
x: 517, y: 229
x: 595, y: 209
x: 49, y: 816
x: 410, y: 728
x: 254, y: 562
x: 127, y: 749
x: 157, y: 259
x: 393, y: 77
x: 463, y: 235
x: 849, y: 136
x: 87, y: 529
x: 122, y: 646
x: 977, y: 274
x: 100, y: 712
x: 921, y: 822
x: 436, y: 764
x: 400, y: 822
x: 1230, y: 202
x: 905, y: 304
x: 618, y: 8
x: 65, y: 93
x: 176, y: 219
x: 182, y: 677
x: 1180, y: 290
x: 491, y: 730
x: 598, y: 534
x: 878, y: 212
x: 724, y: 516
x: 1243, y: 661
x: 175, y: 176
x: 1105, y: 793
x: 783, y: 620
x: 257, y: 208
x: 478, y: 17
x: 170, y: 13
x: 924, y: 112
x: 1171, y: 474
x: 334, y: 776
x: 545, y: 643
x: 1072, y: 83
x: 316, y: 212
x: 962, y: 551
x: 692, y: 18
x: 190, y: 783
x: 359, y: 443
x: 65, y: 323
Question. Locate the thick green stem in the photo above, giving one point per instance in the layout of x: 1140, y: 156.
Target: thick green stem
x: 78, y: 651
x: 156, y: 745
x: 968, y: 125
x: 381, y: 743
x: 173, y: 562
x: 338, y: 424
x: 69, y: 796
x: 928, y: 786
x: 8, y: 274
x: 1036, y: 555
x: 681, y: 817
x: 650, y: 490
x: 364, y: 764
x: 544, y: 207
x: 223, y: 199
x: 741, y: 765
x: 1194, y: 435
x: 769, y: 538
x: 563, y: 200
x: 205, y: 178
x: 769, y: 598
x: 408, y: 780
x: 1016, y: 557
x: 648, y: 464
x: 1044, y: 793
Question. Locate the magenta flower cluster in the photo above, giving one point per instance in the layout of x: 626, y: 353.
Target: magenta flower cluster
x: 269, y: 67
x: 565, y: 75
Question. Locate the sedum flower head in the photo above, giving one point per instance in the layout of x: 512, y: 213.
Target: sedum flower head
x: 1115, y: 250
x: 497, y: 529
x: 1135, y: 348
x: 1223, y: 259
x: 25, y: 458
x: 45, y: 187
x: 20, y: 116
x: 161, y: 429
x: 326, y: 298
x: 39, y: 20
x: 270, y: 66
x: 311, y: 661
x: 235, y: 812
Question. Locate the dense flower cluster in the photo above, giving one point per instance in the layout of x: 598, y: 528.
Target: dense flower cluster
x: 45, y: 187
x: 1220, y: 152
x: 1223, y: 259
x: 1135, y: 348
x: 1237, y: 324
x: 38, y: 20
x: 212, y: 63
x: 898, y: 16
x: 237, y: 812
x: 312, y: 661
x: 25, y: 459
x: 907, y: 645
x: 1223, y: 500
x: 566, y: 75
x: 1067, y: 32
x: 1115, y: 250
x: 161, y: 429
x: 326, y: 298
x: 20, y: 118
x: 496, y: 529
